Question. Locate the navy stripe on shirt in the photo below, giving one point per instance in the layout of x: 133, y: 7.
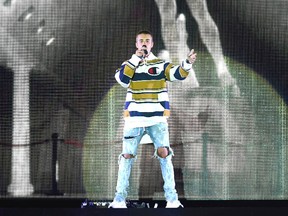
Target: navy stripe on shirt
x: 147, y: 76
x: 145, y: 114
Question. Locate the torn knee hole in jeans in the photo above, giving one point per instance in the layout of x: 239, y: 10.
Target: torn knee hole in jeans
x: 131, y: 157
x: 170, y: 152
x: 128, y: 156
x: 163, y: 152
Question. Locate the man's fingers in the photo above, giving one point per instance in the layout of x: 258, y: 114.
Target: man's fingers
x: 191, y: 53
x: 191, y: 56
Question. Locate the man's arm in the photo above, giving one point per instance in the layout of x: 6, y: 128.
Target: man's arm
x: 125, y: 73
x: 173, y: 72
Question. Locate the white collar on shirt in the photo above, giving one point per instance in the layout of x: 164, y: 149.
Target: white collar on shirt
x: 151, y: 56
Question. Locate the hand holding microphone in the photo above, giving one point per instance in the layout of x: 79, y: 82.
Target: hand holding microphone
x: 142, y: 53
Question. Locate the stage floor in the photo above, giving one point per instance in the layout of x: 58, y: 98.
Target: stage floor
x: 71, y: 207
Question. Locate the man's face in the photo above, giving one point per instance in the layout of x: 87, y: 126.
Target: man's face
x: 144, y: 39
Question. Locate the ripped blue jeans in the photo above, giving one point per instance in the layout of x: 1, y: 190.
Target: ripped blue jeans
x: 160, y: 137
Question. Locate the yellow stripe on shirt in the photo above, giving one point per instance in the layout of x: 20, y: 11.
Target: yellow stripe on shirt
x: 150, y: 84
x: 144, y: 96
x: 167, y: 71
x: 183, y: 73
x: 128, y: 71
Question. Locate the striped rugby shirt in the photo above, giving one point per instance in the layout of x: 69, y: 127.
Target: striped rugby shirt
x: 147, y: 101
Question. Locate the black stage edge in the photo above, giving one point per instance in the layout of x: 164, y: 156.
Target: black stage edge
x: 71, y: 207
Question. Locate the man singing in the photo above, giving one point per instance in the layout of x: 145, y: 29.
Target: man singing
x: 146, y: 112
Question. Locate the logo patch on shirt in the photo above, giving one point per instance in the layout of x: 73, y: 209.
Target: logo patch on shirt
x: 154, y: 71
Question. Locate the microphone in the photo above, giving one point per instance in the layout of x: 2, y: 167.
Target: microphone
x: 144, y: 48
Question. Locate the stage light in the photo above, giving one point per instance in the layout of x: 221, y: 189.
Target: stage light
x: 26, y: 14
x: 50, y: 41
x: 41, y: 26
x: 39, y: 30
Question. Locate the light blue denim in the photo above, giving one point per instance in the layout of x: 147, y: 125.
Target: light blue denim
x: 160, y: 137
